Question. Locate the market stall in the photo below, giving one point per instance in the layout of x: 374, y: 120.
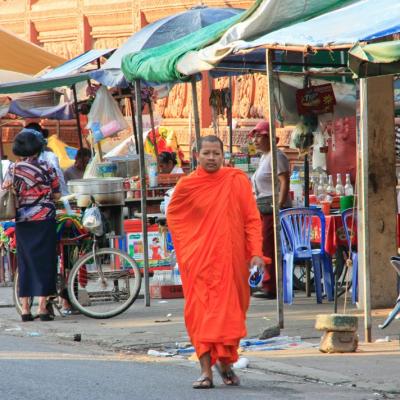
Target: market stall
x: 273, y: 31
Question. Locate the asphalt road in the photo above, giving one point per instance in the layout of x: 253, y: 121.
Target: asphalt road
x: 38, y: 369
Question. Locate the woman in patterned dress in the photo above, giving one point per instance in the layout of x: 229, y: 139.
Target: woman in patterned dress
x: 37, y: 187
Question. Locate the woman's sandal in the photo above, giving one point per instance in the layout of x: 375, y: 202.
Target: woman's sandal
x: 46, y: 317
x: 27, y: 317
x: 204, y: 382
x: 228, y: 377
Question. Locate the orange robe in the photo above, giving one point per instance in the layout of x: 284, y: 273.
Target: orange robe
x: 216, y: 229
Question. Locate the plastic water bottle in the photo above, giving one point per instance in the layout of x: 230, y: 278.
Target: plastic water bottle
x: 177, y: 275
x: 297, y: 188
x: 348, y: 188
x: 153, y: 173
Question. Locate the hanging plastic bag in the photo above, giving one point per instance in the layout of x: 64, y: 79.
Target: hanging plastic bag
x: 92, y: 221
x: 105, y: 118
x: 318, y: 156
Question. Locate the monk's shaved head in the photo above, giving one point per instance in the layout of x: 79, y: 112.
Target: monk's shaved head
x: 211, y: 139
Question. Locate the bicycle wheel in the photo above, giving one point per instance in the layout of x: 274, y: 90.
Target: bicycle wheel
x: 104, y: 285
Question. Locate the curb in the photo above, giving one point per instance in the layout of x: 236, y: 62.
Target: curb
x: 320, y: 376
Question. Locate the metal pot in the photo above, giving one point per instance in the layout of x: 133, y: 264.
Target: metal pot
x: 106, y: 191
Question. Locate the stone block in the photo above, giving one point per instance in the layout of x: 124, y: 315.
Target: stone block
x: 270, y: 332
x: 336, y: 323
x: 339, y: 342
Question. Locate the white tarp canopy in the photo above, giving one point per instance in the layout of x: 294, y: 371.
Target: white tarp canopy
x: 365, y: 20
x: 349, y: 23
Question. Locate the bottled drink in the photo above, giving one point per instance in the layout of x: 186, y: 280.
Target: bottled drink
x: 339, y: 189
x: 176, y: 275
x: 348, y: 188
x: 330, y: 189
x: 321, y: 187
x: 153, y: 173
x: 297, y: 188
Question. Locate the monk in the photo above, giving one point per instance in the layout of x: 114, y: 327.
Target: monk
x: 216, y: 231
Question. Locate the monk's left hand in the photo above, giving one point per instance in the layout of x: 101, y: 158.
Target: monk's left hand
x: 257, y: 261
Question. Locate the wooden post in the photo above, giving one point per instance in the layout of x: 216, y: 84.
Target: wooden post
x: 78, y: 122
x: 275, y: 189
x: 195, y: 112
x: 143, y: 188
x: 377, y: 207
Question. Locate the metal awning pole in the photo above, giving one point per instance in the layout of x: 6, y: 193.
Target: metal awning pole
x: 229, y: 117
x: 195, y: 112
x: 143, y: 190
x: 153, y: 130
x: 275, y: 189
x: 1, y: 156
x: 134, y: 128
x: 78, y: 122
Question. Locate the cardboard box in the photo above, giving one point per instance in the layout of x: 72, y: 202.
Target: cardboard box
x: 166, y: 291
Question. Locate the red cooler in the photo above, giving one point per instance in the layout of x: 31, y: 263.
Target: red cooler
x: 158, y: 255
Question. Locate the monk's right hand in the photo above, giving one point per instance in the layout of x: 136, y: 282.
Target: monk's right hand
x: 257, y: 261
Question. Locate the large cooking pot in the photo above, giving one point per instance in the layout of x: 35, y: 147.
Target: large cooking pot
x: 106, y: 191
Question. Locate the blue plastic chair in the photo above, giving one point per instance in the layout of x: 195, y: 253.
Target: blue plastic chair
x: 296, y: 224
x: 348, y: 222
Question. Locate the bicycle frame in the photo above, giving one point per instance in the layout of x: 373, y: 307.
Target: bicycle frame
x: 395, y: 261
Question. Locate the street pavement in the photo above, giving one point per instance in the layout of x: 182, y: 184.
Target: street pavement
x: 372, y: 369
x: 36, y: 369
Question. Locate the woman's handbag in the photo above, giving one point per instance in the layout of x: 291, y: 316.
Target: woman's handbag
x: 8, y: 202
x: 264, y: 203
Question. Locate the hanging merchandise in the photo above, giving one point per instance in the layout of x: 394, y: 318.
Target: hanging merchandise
x: 302, y: 136
x: 220, y: 100
x: 315, y: 99
x: 319, y: 150
x: 105, y: 118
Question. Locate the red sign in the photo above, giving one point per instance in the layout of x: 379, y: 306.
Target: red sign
x: 315, y: 99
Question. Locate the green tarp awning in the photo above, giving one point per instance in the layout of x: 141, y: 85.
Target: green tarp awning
x: 375, y: 59
x: 159, y: 64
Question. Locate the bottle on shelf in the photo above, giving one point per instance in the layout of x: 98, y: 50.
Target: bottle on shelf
x: 153, y: 173
x: 330, y: 189
x: 339, y: 189
x: 348, y: 187
x: 320, y: 193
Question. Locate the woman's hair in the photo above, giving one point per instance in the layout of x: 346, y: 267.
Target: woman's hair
x: 27, y: 143
x: 165, y: 157
x: 211, y: 139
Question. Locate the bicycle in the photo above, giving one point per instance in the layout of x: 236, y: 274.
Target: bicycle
x: 70, y: 245
x: 102, y: 283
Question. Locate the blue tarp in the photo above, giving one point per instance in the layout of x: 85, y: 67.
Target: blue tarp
x: 362, y: 21
x: 157, y: 33
x: 61, y: 111
x: 75, y: 64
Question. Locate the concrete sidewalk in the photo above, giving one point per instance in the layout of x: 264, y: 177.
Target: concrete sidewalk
x: 374, y: 366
